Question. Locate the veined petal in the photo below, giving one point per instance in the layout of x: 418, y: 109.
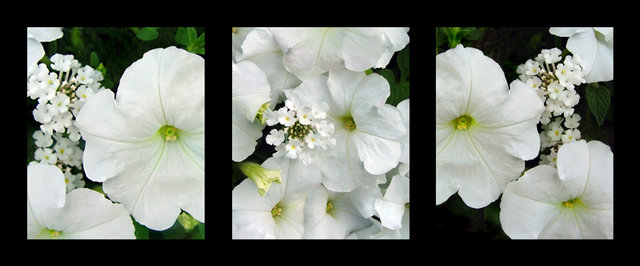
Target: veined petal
x: 584, y: 45
x: 566, y: 32
x: 362, y: 48
x: 515, y: 124
x: 573, y: 166
x: 531, y: 203
x: 598, y: 192
x: 250, y: 90
x: 356, y: 93
x: 107, y: 149
x: 46, y: 192
x: 155, y: 187
x: 310, y: 51
x: 478, y: 166
x: 403, y: 107
x: 87, y: 214
x: 34, y: 52
x: 466, y: 82
x: 44, y: 34
x: 243, y: 135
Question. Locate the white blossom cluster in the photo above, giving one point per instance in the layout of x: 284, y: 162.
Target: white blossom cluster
x: 555, y: 85
x: 61, y: 93
x: 304, y: 130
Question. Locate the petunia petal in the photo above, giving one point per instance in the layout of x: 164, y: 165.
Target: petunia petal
x: 243, y: 135
x: 34, y: 52
x: 566, y: 32
x: 532, y: 202
x: 362, y: 47
x: 403, y: 107
x: 46, y: 192
x: 515, y: 123
x: 250, y: 90
x: 87, y: 214
x: 44, y: 34
x: 107, y: 150
x: 377, y: 136
x: 598, y: 192
x: 155, y: 187
x: 573, y: 166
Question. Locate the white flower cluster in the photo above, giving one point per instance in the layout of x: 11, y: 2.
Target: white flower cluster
x: 340, y: 169
x: 304, y: 130
x: 60, y: 95
x: 555, y: 85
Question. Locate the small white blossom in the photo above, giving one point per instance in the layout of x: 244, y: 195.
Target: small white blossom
x: 570, y: 135
x: 275, y: 137
x: 572, y: 121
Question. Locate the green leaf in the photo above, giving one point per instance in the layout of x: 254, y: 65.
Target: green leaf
x: 198, y: 45
x: 181, y: 36
x: 94, y: 60
x: 192, y: 35
x: 148, y: 33
x: 141, y: 231
x: 598, y: 99
x: 403, y: 63
x: 399, y: 90
x: 474, y: 34
x: 76, y: 40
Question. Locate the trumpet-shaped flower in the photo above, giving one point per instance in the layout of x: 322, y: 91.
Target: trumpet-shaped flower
x: 593, y: 47
x: 260, y: 47
x: 250, y: 90
x: 312, y: 51
x: 367, y: 131
x: 484, y: 130
x: 573, y: 201
x: 35, y: 36
x: 147, y: 144
x: 279, y: 213
x: 331, y: 215
x: 52, y: 213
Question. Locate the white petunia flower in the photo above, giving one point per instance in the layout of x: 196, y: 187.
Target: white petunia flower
x: 279, y: 213
x: 367, y: 131
x: 147, y: 144
x: 331, y: 215
x: 594, y: 48
x: 309, y: 52
x: 573, y: 201
x: 395, y: 40
x: 484, y: 130
x: 80, y: 214
x: 35, y: 36
x: 259, y: 47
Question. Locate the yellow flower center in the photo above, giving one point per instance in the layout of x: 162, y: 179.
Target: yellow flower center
x: 570, y: 203
x: 169, y: 132
x: 329, y: 206
x: 463, y: 122
x: 276, y: 211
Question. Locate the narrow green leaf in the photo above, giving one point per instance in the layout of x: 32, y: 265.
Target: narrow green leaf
x: 598, y: 99
x: 94, y: 60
